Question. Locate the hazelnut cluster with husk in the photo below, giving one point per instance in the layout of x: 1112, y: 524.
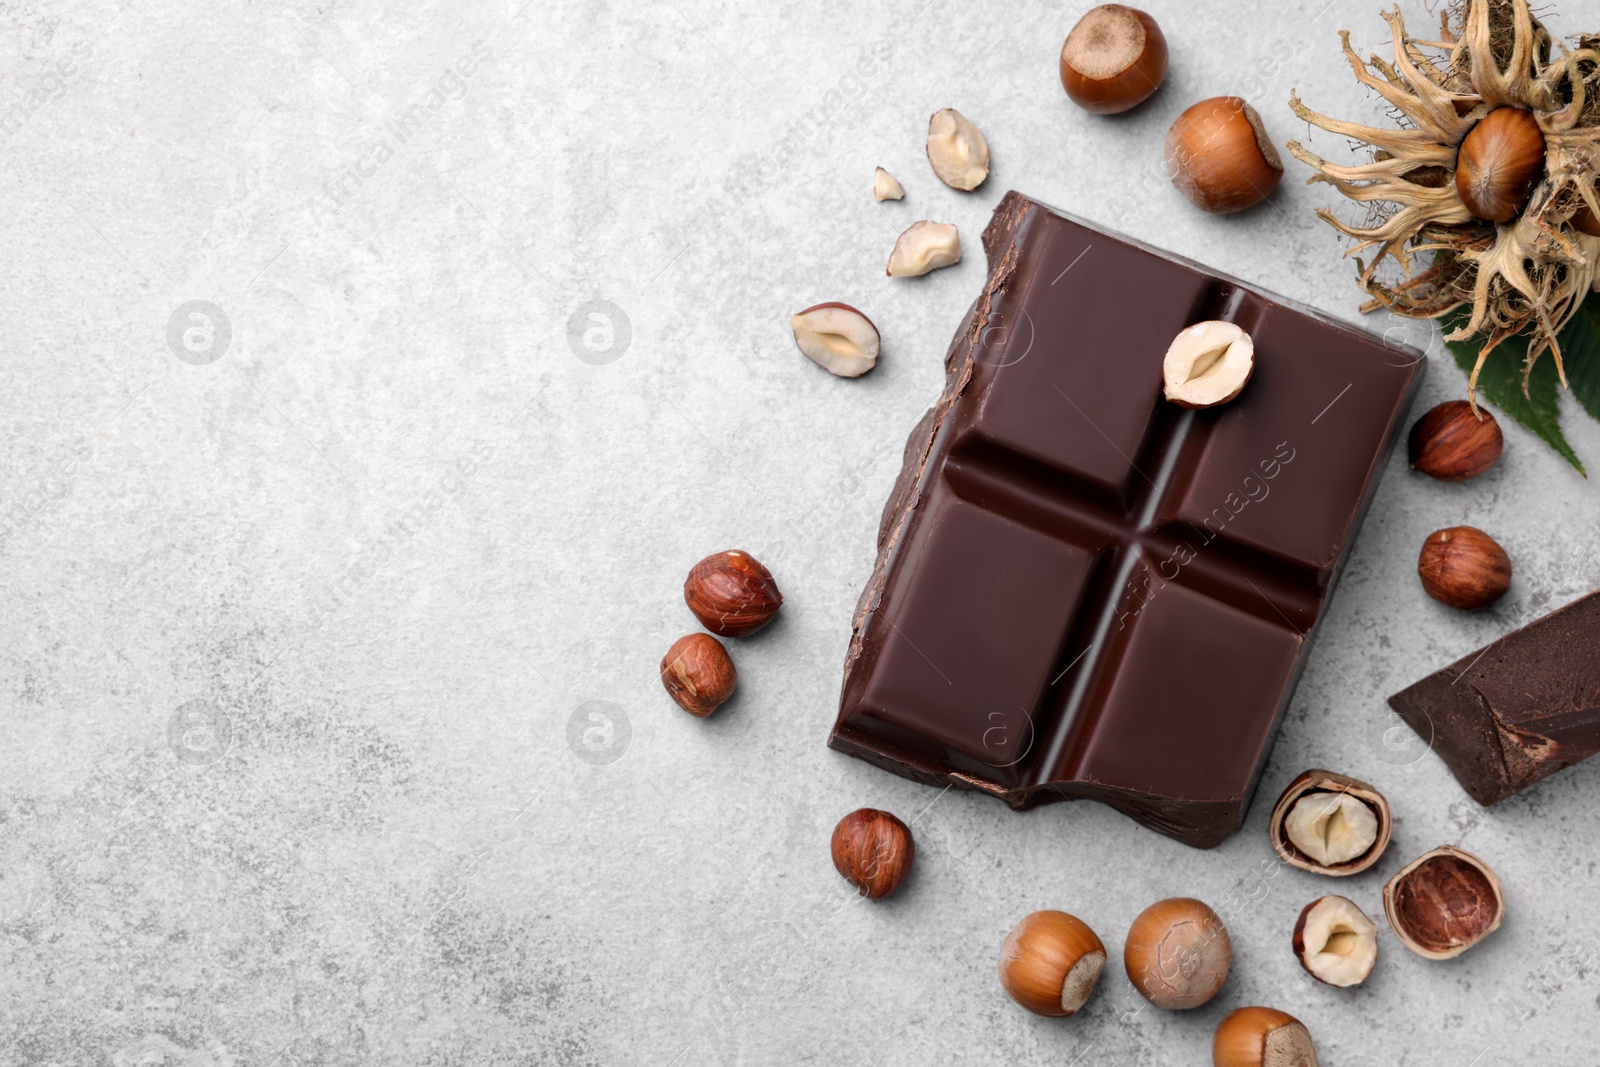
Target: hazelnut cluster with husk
x: 1485, y: 193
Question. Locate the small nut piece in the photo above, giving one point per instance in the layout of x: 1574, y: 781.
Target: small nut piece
x: 958, y: 152
x: 1208, y: 364
x: 925, y: 246
x: 1051, y: 962
x: 1330, y: 824
x: 1177, y: 953
x: 1464, y: 567
x: 1262, y: 1037
x: 837, y: 338
x: 873, y: 850
x: 1336, y: 942
x: 885, y: 187
x: 731, y: 594
x: 1443, y: 903
x: 1452, y: 444
x: 1220, y: 157
x: 1500, y: 161
x: 1113, y: 60
x: 698, y: 674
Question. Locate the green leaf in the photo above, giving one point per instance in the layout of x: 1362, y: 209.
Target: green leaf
x: 1500, y: 383
x: 1580, y: 352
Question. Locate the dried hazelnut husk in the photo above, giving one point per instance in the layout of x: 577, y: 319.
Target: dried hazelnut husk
x: 1464, y: 567
x: 1453, y: 443
x: 698, y: 674
x: 1262, y: 1037
x: 1051, y: 962
x: 731, y: 594
x: 1178, y: 953
x: 1335, y: 941
x: 1444, y: 903
x: 873, y: 850
x: 1330, y: 823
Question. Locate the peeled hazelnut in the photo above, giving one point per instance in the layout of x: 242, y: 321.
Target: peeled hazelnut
x: 1262, y: 1037
x: 924, y: 247
x: 1208, y: 364
x: 1114, y: 59
x: 1177, y: 953
x: 1444, y: 903
x: 873, y: 850
x: 958, y: 152
x: 1464, y: 567
x: 1330, y: 824
x: 1452, y: 444
x: 1336, y: 942
x: 1500, y: 161
x: 731, y: 594
x: 884, y: 186
x: 1051, y: 962
x: 698, y: 674
x: 1220, y: 157
x: 837, y: 338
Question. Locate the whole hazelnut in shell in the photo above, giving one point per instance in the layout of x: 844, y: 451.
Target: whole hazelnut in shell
x: 1051, y: 962
x: 1178, y: 953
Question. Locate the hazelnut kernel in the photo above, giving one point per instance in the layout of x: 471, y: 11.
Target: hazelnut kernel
x: 873, y: 850
x: 698, y: 674
x: 1464, y: 567
x: 956, y: 150
x: 1453, y: 443
x: 1335, y: 941
x: 731, y: 594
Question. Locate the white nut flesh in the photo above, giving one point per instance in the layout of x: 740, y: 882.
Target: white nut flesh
x: 925, y: 246
x: 1208, y: 364
x: 1341, y: 943
x: 837, y: 338
x: 958, y: 152
x: 1331, y: 828
x: 884, y: 187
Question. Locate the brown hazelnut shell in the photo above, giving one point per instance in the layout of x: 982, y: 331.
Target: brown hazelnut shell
x: 1444, y: 902
x: 1138, y: 77
x: 1220, y: 156
x: 1042, y: 954
x: 1178, y: 953
x: 1320, y: 781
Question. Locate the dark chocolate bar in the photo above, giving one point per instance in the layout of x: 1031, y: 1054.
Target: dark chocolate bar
x: 1517, y: 710
x: 1083, y: 590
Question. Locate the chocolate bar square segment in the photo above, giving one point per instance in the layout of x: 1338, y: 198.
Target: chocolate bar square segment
x: 1082, y: 590
x: 1517, y: 710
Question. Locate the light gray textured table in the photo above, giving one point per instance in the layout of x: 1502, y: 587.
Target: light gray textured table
x: 301, y: 641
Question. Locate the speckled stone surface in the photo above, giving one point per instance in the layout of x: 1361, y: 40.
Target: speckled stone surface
x: 332, y: 731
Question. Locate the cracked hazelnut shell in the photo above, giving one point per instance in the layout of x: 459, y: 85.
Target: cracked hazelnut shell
x: 1178, y: 953
x: 731, y: 593
x: 873, y: 850
x: 1051, y: 962
x: 1312, y: 784
x: 1443, y: 903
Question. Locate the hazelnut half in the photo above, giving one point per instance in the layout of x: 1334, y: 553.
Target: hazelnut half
x: 1114, y: 59
x: 837, y: 338
x: 1220, y: 157
x: 925, y: 246
x: 698, y: 674
x: 1177, y: 953
x: 1262, y: 1037
x: 873, y: 850
x: 1207, y: 364
x: 731, y: 593
x: 1453, y: 443
x: 1335, y: 941
x: 1443, y: 903
x: 1464, y: 567
x: 1051, y: 962
x: 957, y: 151
x: 885, y: 187
x: 1500, y: 161
x: 1330, y: 824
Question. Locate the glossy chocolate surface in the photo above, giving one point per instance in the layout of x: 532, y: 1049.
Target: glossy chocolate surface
x: 1517, y: 710
x: 1083, y: 590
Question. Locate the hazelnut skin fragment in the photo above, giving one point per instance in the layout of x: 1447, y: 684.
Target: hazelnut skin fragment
x: 874, y: 851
